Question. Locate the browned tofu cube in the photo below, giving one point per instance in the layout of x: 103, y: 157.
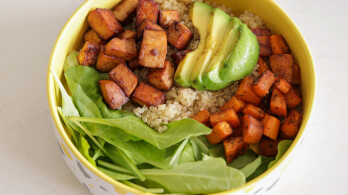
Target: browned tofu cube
x: 153, y: 50
x: 282, y: 66
x: 146, y: 95
x: 179, y: 35
x: 125, y: 11
x: 104, y: 23
x: 113, y: 94
x: 125, y: 78
x: 147, y: 9
x: 92, y: 37
x: 88, y: 54
x: 167, y: 17
x: 122, y: 48
x: 263, y: 35
x: 105, y: 62
x: 162, y: 78
x: 134, y: 64
x: 180, y: 55
x: 128, y: 34
x: 147, y: 25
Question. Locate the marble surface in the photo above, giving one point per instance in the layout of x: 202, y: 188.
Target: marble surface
x: 30, y: 159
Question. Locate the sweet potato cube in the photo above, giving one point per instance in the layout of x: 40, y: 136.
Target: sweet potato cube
x: 219, y: 132
x: 104, y: 23
x: 147, y: 25
x: 125, y: 11
x: 263, y: 37
x: 92, y: 37
x: 128, y: 34
x: 179, y: 56
x: 282, y: 66
x: 283, y: 86
x: 254, y: 111
x: 113, y: 94
x: 146, y: 95
x: 279, y: 45
x: 153, y: 50
x: 290, y: 126
x: 234, y: 147
x: 89, y: 54
x: 124, y: 78
x: 202, y: 116
x: 234, y: 103
x: 229, y: 116
x: 179, y: 35
x: 167, y: 17
x: 271, y: 126
x: 264, y: 83
x: 122, y: 48
x: 278, y: 104
x: 268, y: 147
x: 162, y: 78
x: 262, y: 66
x: 147, y: 9
x: 296, y: 74
x: 105, y: 62
x: 292, y: 98
x: 252, y: 129
x: 246, y: 93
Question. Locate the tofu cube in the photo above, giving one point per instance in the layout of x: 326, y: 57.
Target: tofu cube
x: 113, y: 94
x: 105, y: 62
x: 125, y: 11
x: 179, y: 56
x: 124, y: 78
x: 134, y: 64
x: 88, y: 54
x: 147, y: 25
x: 162, y: 78
x: 146, y: 95
x: 153, y: 50
x: 147, y: 9
x: 92, y: 37
x: 128, y: 34
x: 263, y: 37
x: 104, y: 23
x: 179, y: 35
x: 167, y: 17
x: 282, y: 66
x: 122, y: 48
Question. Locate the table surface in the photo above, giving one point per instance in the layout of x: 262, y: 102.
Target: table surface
x: 30, y: 159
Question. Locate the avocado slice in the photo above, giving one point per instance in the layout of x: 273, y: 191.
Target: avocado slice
x: 200, y: 16
x: 218, y: 26
x: 243, y: 58
x: 211, y: 79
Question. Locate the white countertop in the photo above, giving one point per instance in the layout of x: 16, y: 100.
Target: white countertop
x: 30, y: 159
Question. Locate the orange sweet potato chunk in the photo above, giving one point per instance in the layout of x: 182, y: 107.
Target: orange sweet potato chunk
x: 282, y: 66
x: 246, y: 93
x: 229, y: 116
x: 268, y: 147
x: 234, y: 147
x: 292, y: 98
x: 279, y: 45
x: 296, y: 74
x: 271, y: 126
x: 113, y: 94
x: 219, y: 132
x: 264, y: 83
x: 283, y: 86
x: 252, y: 129
x: 254, y: 111
x: 290, y: 126
x: 278, y: 103
x: 263, y: 38
x: 234, y: 103
x: 202, y: 116
x: 262, y: 66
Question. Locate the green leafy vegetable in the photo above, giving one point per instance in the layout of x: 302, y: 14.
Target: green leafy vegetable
x: 244, y: 160
x: 115, y: 175
x: 84, y: 149
x: 187, y: 154
x: 262, y: 168
x: 149, y: 190
x: 250, y: 168
x: 283, y: 146
x: 174, y: 160
x: 199, y: 148
x: 71, y: 60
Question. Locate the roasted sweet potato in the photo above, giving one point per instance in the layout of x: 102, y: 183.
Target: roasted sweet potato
x: 180, y: 55
x: 162, y: 78
x: 279, y: 45
x: 202, y: 116
x: 134, y: 64
x: 125, y: 78
x: 147, y: 25
x: 254, y: 111
x: 234, y: 103
x: 270, y: 126
x: 234, y: 147
x: 296, y: 74
x: 263, y: 35
x: 264, y: 83
x: 113, y: 94
x: 219, y: 132
x: 283, y: 85
x: 88, y: 54
x: 105, y: 62
x: 292, y: 98
x: 229, y: 116
x: 122, y: 48
x: 262, y: 66
x: 179, y: 35
x: 153, y: 50
x: 104, y: 23
x: 290, y: 126
x: 146, y: 95
x: 147, y: 9
x: 246, y: 93
x: 92, y: 37
x: 125, y: 11
x: 167, y: 17
x: 278, y: 103
x: 128, y: 34
x: 252, y: 129
x: 268, y: 147
x: 282, y: 66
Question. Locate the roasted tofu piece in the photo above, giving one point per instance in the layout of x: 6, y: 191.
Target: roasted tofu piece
x: 147, y: 25
x: 153, y: 50
x: 167, y: 17
x: 105, y: 62
x: 113, y: 94
x: 146, y: 95
x: 104, y: 23
x: 180, y: 55
x: 134, y: 64
x: 125, y: 11
x: 282, y: 66
x: 234, y: 147
x: 162, y: 78
x: 179, y: 35
x: 92, y: 37
x: 88, y: 54
x: 124, y: 78
x: 147, y: 9
x: 263, y: 37
x: 122, y: 48
x: 128, y: 34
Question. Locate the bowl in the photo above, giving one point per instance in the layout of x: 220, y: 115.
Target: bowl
x: 98, y: 183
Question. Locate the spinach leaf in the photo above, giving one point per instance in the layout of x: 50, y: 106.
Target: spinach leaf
x: 262, y: 168
x: 115, y: 175
x: 283, y: 146
x: 174, y: 159
x: 84, y: 149
x: 187, y: 154
x: 244, y: 160
x: 71, y: 60
x: 199, y: 148
x: 141, y: 188
x: 250, y: 168
x: 71, y: 131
